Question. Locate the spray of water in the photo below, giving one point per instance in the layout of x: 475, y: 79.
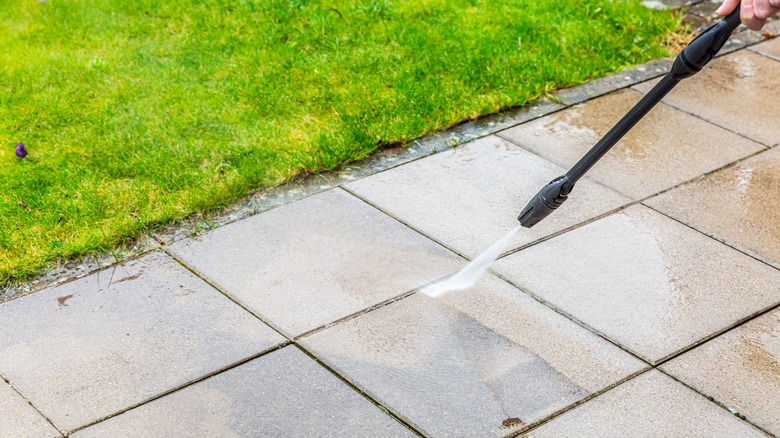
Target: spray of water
x: 470, y: 274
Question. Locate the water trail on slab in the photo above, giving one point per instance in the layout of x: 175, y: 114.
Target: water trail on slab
x: 470, y: 274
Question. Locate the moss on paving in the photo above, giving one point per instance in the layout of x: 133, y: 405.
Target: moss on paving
x: 140, y: 112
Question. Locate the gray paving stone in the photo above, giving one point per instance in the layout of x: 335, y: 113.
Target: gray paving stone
x: 469, y: 197
x: 739, y: 205
x: 480, y: 362
x: 19, y: 419
x: 740, y: 369
x: 650, y: 405
x: 664, y: 149
x: 281, y: 394
x: 317, y: 260
x: 97, y: 345
x: 647, y: 282
x: 737, y: 92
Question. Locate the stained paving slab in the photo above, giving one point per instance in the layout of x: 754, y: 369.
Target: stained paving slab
x: 739, y: 205
x: 740, y: 369
x: 647, y: 282
x: 664, y: 149
x: 488, y: 361
x: 284, y: 393
x: 737, y: 92
x: 317, y: 260
x: 469, y: 197
x: 651, y: 405
x: 19, y: 419
x: 121, y: 336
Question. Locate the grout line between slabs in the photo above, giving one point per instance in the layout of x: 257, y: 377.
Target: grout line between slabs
x: 357, y: 389
x: 562, y: 411
x: 720, y: 332
x: 184, y: 385
x: 219, y: 289
x: 714, y: 401
x: 735, y: 247
x: 4, y: 380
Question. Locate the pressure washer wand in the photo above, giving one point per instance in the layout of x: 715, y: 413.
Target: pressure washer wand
x: 690, y: 61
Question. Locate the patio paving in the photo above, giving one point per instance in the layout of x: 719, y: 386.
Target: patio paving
x: 648, y: 305
x: 20, y: 420
x: 740, y: 369
x: 93, y: 347
x: 736, y: 92
x: 649, y: 405
x: 664, y: 149
x: 285, y: 384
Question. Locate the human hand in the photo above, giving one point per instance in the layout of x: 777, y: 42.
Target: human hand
x: 753, y: 13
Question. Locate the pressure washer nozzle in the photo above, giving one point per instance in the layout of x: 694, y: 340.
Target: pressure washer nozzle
x: 546, y: 201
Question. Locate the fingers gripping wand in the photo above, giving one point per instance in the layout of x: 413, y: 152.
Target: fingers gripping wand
x: 690, y: 61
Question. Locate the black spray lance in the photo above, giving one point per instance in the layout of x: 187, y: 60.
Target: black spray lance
x: 690, y: 61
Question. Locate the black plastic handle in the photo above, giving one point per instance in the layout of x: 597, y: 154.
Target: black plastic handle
x: 691, y: 60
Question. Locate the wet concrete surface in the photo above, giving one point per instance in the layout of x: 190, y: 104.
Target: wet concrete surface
x: 469, y: 197
x: 312, y: 262
x: 651, y: 405
x: 284, y: 394
x: 740, y: 369
x: 483, y: 362
x: 647, y: 282
x: 739, y: 205
x: 737, y: 92
x: 120, y: 337
x: 20, y: 420
x: 666, y: 148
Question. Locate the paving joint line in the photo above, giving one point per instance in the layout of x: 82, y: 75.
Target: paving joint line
x: 718, y: 333
x: 406, y: 224
x: 29, y: 402
x: 358, y: 314
x: 357, y: 389
x: 709, y: 122
x: 535, y: 425
x: 229, y: 296
x: 184, y: 385
x: 573, y: 319
x: 735, y: 247
x: 715, y: 401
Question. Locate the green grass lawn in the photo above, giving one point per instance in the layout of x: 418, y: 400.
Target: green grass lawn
x: 140, y: 112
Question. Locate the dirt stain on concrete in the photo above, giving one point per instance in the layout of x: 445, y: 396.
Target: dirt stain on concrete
x: 63, y: 300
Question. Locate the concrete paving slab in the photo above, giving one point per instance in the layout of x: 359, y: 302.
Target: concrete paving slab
x: 480, y: 362
x: 468, y: 198
x: 647, y: 282
x: 650, y: 405
x: 664, y: 149
x: 740, y: 369
x: 770, y: 48
x: 281, y: 394
x: 739, y: 205
x: 97, y: 345
x: 317, y: 260
x: 19, y: 419
x: 737, y: 92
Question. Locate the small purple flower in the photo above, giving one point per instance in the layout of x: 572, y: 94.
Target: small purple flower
x: 21, y: 152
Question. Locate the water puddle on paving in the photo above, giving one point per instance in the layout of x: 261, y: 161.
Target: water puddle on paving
x: 471, y: 273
